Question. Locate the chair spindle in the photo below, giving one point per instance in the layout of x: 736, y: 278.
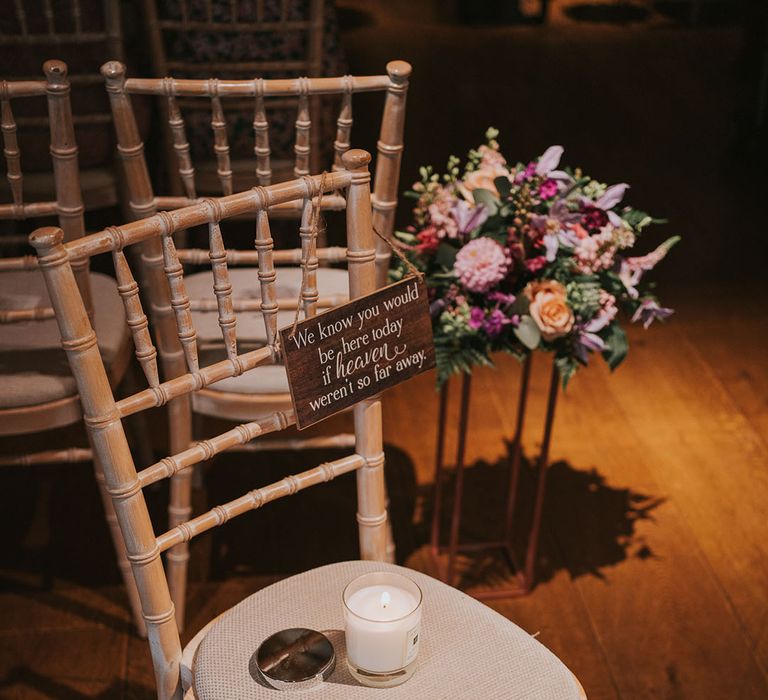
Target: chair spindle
x: 180, y: 142
x: 11, y: 147
x: 48, y: 12
x: 303, y: 127
x: 307, y: 231
x: 343, y: 124
x: 221, y: 144
x: 261, y: 136
x: 222, y: 288
x: 136, y: 319
x: 77, y: 16
x: 264, y: 246
x: 179, y: 299
x: 21, y: 17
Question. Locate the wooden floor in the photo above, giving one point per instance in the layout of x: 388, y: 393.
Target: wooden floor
x: 654, y: 566
x: 653, y: 575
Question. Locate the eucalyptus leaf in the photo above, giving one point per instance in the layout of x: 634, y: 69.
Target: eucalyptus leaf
x: 487, y: 198
x: 618, y: 346
x: 503, y: 185
x: 446, y: 255
x: 528, y: 333
x: 566, y: 366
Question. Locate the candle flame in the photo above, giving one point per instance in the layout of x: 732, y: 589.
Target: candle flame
x: 385, y: 599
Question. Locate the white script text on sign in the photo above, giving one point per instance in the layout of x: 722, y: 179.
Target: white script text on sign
x: 354, y: 351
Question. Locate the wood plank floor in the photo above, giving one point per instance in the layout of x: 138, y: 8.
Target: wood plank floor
x: 654, y: 563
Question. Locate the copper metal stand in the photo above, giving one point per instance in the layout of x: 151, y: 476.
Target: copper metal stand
x: 523, y: 577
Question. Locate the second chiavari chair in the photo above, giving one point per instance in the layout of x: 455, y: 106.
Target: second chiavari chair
x: 264, y: 390
x: 37, y: 392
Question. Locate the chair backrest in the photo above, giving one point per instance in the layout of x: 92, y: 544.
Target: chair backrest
x: 68, y: 22
x: 143, y: 201
x: 68, y: 205
x: 82, y: 32
x: 104, y: 415
x: 299, y: 23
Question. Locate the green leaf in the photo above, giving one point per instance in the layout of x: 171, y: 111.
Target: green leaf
x: 406, y: 237
x: 487, y: 198
x: 618, y: 346
x: 566, y: 366
x: 446, y: 255
x: 503, y: 185
x: 528, y: 333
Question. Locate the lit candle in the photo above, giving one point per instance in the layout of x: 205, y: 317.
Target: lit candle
x: 382, y: 616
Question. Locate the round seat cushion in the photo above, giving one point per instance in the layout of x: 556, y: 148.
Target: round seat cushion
x: 467, y: 650
x: 245, y: 285
x: 32, y: 363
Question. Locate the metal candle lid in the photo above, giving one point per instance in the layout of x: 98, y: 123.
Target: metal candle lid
x: 296, y: 659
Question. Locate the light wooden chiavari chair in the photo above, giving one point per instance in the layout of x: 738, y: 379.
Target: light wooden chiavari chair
x: 475, y: 649
x: 35, y: 394
x: 265, y: 390
x: 216, y: 23
x: 70, y: 28
x: 104, y: 415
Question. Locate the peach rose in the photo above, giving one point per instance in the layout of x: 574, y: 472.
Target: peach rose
x: 549, y: 309
x: 482, y: 178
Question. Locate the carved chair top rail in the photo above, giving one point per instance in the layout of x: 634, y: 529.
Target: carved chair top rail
x: 397, y: 71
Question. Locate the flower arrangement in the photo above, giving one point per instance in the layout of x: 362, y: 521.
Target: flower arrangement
x: 526, y: 257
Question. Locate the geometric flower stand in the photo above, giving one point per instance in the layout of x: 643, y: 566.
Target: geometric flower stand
x: 522, y: 572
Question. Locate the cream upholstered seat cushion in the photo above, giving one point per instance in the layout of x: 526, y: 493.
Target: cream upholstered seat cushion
x: 245, y: 285
x: 33, y: 366
x: 266, y: 379
x: 467, y: 650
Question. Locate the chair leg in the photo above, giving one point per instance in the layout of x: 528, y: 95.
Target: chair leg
x: 180, y: 505
x: 119, y: 544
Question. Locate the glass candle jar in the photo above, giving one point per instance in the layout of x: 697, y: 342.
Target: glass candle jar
x: 382, y: 622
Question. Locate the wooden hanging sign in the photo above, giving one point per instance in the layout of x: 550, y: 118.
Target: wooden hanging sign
x: 354, y: 351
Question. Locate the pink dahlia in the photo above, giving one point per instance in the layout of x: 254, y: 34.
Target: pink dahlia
x: 481, y: 264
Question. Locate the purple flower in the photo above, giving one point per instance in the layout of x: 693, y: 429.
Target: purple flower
x: 436, y: 307
x: 648, y: 311
x: 468, y: 217
x: 586, y: 341
x: 548, y: 188
x: 476, y: 318
x: 502, y: 298
x: 612, y: 196
x: 551, y: 244
x: 495, y: 322
x: 549, y: 160
x: 632, y: 269
x: 527, y: 174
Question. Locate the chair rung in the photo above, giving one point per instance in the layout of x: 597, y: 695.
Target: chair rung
x: 258, y: 497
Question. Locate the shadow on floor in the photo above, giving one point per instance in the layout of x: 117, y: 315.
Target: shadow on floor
x: 587, y: 526
x: 20, y: 680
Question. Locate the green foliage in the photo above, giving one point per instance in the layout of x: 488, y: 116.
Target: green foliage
x: 446, y: 255
x: 566, y: 366
x: 528, y: 333
x: 487, y: 198
x: 617, y: 345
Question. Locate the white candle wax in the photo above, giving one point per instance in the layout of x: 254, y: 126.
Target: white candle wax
x: 382, y: 622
